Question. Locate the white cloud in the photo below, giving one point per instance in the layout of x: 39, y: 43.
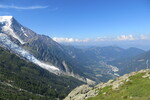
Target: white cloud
x: 126, y: 37
x: 144, y: 37
x: 22, y: 8
x: 67, y: 40
x: 103, y: 39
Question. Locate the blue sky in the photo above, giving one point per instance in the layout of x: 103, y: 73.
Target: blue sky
x: 82, y: 20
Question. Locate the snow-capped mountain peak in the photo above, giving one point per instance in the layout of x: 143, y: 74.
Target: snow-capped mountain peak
x: 9, y: 27
x: 36, y: 48
x: 6, y: 22
x: 6, y: 19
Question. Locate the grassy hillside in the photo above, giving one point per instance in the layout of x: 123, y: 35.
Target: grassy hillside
x: 138, y: 88
x: 22, y: 80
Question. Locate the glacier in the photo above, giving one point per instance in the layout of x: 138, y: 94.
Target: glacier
x: 7, y: 43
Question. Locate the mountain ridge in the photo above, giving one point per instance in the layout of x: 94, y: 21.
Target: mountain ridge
x: 94, y: 63
x: 41, y: 47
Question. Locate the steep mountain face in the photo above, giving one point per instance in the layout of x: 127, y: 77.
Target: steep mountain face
x: 22, y: 32
x: 133, y: 86
x: 39, y: 49
x: 23, y: 80
x: 15, y: 30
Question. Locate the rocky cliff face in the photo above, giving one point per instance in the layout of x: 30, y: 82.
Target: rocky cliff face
x: 84, y: 92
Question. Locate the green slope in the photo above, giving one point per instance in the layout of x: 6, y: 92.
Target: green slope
x: 136, y: 89
x: 22, y: 80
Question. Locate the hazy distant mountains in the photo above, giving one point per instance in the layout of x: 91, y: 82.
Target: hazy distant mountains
x: 100, y: 60
x: 40, y: 58
x: 93, y: 62
x: 136, y: 63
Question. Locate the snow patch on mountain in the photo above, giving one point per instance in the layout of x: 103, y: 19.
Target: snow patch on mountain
x: 7, y: 43
x: 7, y: 22
x: 24, y: 32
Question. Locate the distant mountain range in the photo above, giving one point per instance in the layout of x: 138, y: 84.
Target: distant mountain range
x: 136, y: 63
x: 43, y: 63
x: 99, y: 61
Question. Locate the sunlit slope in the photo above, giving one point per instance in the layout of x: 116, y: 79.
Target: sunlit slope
x: 136, y: 87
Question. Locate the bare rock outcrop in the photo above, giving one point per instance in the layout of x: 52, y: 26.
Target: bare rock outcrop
x: 85, y: 91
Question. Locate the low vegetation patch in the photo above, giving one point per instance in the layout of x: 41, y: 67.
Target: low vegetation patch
x: 138, y: 88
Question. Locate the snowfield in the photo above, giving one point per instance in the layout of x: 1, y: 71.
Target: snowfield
x: 7, y: 21
x: 7, y: 43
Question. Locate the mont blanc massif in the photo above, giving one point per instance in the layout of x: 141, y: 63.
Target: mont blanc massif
x: 35, y: 67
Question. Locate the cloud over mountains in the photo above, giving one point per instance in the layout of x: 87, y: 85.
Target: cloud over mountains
x: 103, y: 39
